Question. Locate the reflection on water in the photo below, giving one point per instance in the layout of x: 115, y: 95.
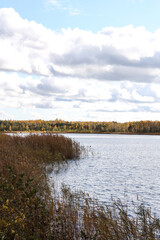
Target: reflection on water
x: 121, y: 166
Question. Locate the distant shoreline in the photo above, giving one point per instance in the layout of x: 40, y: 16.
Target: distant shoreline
x: 59, y: 132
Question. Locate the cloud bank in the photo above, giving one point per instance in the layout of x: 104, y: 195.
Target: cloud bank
x: 113, y: 70
x: 113, y: 54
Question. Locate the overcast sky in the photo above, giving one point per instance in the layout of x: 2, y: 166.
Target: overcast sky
x: 80, y: 60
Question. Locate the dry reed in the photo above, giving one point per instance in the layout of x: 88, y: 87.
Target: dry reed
x: 29, y: 211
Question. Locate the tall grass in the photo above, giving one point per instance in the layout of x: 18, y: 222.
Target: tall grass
x: 29, y: 211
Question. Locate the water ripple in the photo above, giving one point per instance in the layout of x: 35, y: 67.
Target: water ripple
x: 124, y: 166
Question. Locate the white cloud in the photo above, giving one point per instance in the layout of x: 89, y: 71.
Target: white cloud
x: 78, y: 73
x: 5, y: 116
x: 113, y: 54
x: 50, y: 93
x: 64, y: 5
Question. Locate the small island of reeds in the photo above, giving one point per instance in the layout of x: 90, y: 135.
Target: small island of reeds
x: 30, y: 210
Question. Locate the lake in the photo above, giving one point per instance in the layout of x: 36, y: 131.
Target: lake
x: 117, y: 166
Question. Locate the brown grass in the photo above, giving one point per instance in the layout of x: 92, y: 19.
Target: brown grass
x: 29, y: 211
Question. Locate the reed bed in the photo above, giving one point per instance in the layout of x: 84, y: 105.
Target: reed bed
x: 28, y: 210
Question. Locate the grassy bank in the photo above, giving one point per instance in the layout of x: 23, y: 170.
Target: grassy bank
x: 29, y: 211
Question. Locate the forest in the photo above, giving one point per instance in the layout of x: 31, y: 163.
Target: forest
x: 138, y: 127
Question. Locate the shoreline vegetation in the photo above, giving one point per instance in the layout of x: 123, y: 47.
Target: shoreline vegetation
x: 29, y: 210
x: 60, y: 126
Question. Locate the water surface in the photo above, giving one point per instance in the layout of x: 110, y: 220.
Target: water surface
x: 121, y: 166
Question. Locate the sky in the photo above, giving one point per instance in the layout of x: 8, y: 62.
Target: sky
x: 80, y: 60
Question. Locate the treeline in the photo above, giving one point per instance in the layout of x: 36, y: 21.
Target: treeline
x: 81, y: 127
